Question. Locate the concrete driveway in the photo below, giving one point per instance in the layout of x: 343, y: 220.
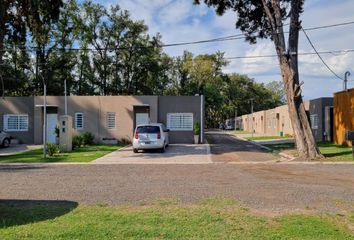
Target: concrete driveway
x: 174, y: 154
x: 17, y: 148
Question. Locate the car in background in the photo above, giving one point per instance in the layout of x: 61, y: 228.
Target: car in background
x: 5, y: 139
x: 150, y: 136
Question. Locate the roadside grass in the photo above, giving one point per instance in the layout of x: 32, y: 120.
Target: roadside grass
x: 332, y: 152
x: 268, y: 137
x: 82, y: 154
x: 210, y: 219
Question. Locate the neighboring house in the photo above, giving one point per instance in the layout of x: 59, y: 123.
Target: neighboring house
x: 270, y: 122
x: 321, y: 118
x: 343, y: 115
x: 106, y: 117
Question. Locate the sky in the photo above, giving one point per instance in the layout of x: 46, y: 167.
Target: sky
x: 182, y: 21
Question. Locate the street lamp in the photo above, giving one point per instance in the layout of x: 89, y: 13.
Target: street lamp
x: 346, y: 75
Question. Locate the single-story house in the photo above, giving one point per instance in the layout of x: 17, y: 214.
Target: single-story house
x: 321, y: 118
x: 343, y: 115
x: 106, y: 117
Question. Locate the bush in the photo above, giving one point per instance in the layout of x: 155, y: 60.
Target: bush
x: 124, y: 141
x: 196, y: 128
x: 87, y: 138
x: 77, y: 141
x: 52, y: 149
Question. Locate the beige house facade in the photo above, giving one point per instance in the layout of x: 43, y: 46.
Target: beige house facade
x: 108, y: 118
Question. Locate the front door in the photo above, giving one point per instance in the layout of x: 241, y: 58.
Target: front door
x: 141, y: 118
x: 52, y: 120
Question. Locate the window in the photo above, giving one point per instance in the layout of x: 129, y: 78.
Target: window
x: 111, y: 120
x: 79, y: 121
x: 180, y: 121
x: 314, y: 121
x: 15, y: 123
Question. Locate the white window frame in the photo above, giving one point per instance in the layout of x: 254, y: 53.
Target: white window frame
x: 314, y: 121
x: 110, y: 115
x: 181, y: 128
x: 18, y: 129
x: 76, y: 118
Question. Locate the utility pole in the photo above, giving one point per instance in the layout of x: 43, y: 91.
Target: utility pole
x: 235, y: 118
x: 65, y: 99
x: 45, y: 121
x: 252, y: 115
x: 346, y: 75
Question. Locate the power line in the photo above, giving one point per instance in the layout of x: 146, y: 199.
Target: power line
x: 313, y: 47
x: 220, y: 39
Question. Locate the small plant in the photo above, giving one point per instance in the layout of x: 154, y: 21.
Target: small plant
x: 87, y: 138
x: 196, y: 128
x: 77, y: 141
x: 124, y: 141
x: 52, y: 149
x: 57, y: 131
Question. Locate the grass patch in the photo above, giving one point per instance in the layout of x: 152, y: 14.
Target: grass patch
x: 332, y: 152
x: 82, y: 154
x: 214, y: 220
x: 268, y: 137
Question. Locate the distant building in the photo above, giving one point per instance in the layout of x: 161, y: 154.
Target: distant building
x: 343, y: 112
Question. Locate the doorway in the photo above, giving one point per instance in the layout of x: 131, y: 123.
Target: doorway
x: 52, y: 119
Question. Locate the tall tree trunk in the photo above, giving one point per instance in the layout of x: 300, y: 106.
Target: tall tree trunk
x: 288, y: 60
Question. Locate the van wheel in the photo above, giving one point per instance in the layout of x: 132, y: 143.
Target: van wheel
x: 163, y: 149
x: 135, y: 150
x: 6, y: 143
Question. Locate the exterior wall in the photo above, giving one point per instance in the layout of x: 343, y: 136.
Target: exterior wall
x: 318, y: 106
x: 95, y: 109
x: 19, y: 105
x: 343, y: 112
x: 259, y: 121
x: 180, y: 104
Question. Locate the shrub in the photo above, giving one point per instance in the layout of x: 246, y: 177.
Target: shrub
x: 77, y: 141
x: 196, y: 128
x: 87, y: 138
x: 124, y: 141
x: 57, y: 131
x: 52, y: 149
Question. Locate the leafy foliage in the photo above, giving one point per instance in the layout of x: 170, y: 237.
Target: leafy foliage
x: 87, y: 138
x: 77, y: 141
x: 52, y: 149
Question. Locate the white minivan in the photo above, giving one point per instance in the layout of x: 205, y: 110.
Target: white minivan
x: 150, y: 136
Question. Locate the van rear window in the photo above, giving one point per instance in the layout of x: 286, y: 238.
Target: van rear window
x: 148, y: 129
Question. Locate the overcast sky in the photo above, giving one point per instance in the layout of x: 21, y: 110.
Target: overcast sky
x: 181, y: 21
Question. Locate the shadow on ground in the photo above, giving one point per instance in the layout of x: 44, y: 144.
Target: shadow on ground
x: 20, y: 212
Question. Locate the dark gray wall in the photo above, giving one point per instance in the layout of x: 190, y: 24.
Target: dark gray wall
x: 19, y: 105
x: 317, y: 106
x: 179, y: 104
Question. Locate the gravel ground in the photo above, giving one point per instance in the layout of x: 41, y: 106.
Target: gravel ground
x: 263, y: 187
x: 270, y: 188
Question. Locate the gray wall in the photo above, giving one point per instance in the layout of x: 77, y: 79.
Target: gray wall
x: 19, y: 105
x: 180, y: 104
x: 317, y: 106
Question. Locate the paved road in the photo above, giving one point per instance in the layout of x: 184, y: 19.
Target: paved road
x: 227, y: 148
x: 264, y: 187
x: 270, y: 187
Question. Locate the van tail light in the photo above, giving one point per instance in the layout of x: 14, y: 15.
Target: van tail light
x: 158, y: 135
x: 136, y: 135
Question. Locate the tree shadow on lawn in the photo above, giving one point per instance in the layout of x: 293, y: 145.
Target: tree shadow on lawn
x: 20, y: 212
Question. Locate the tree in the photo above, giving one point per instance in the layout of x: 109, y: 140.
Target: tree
x: 265, y: 19
x: 277, y: 87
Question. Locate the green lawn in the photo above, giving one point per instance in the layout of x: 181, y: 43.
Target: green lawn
x: 83, y: 154
x: 209, y: 219
x: 332, y: 152
x: 267, y: 137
